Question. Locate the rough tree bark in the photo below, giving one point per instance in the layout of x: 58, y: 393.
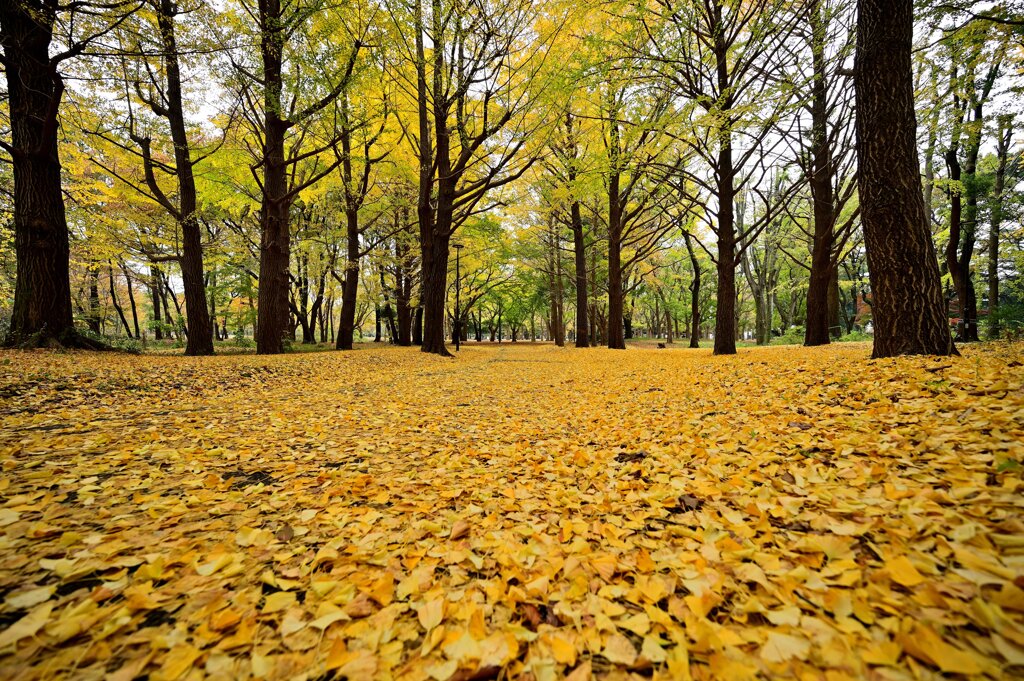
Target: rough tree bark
x: 275, y: 237
x: 42, y: 312
x: 823, y: 269
x: 907, y: 304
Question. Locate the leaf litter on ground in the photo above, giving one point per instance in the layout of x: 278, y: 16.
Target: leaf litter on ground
x: 523, y: 512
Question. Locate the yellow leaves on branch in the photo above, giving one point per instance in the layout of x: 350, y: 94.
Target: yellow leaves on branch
x: 522, y: 512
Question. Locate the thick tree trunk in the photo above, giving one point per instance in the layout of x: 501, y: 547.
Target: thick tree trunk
x: 433, y: 288
x: 725, y: 313
x: 275, y: 238
x: 907, y: 304
x: 350, y: 290
x: 42, y: 311
x: 820, y: 181
x: 834, y: 320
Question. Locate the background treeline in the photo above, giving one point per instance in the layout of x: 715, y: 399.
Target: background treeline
x: 272, y: 172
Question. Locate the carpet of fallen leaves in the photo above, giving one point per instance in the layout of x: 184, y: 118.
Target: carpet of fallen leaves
x: 518, y: 513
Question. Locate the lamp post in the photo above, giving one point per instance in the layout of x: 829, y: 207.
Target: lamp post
x: 458, y: 281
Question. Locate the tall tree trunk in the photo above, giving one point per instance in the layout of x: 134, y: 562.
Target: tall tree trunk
x: 131, y: 300
x: 929, y: 154
x: 970, y: 227
x: 115, y: 303
x: 403, y: 293
x: 822, y: 268
x: 417, y: 326
x: 1005, y: 136
x: 433, y: 209
x: 580, y: 252
x: 42, y: 311
x: 694, y: 293
x: 433, y: 286
x: 200, y: 337
x: 94, y: 300
x: 180, y: 319
x: 592, y: 326
x: 301, y: 311
x: 755, y: 280
x: 555, y: 287
x: 275, y: 238
x: 389, y: 313
x: 616, y: 330
x: 350, y: 289
x: 834, y: 323
x: 212, y: 289
x: 155, y: 287
x: 907, y: 304
x: 952, y: 260
x: 725, y: 312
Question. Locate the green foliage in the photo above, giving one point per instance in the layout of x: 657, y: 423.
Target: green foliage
x: 793, y: 336
x: 854, y: 337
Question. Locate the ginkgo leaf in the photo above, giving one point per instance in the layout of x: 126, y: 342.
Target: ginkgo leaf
x: 215, y: 563
x: 562, y: 649
x: 903, y: 571
x: 652, y: 650
x: 926, y: 645
x: 884, y: 653
x: 278, y: 601
x: 789, y: 615
x: 32, y: 597
x: 179, y: 661
x: 781, y: 647
x: 619, y: 650
x: 461, y: 646
x: 672, y: 516
x: 8, y: 516
x: 431, y: 613
x: 329, y: 619
x: 27, y: 626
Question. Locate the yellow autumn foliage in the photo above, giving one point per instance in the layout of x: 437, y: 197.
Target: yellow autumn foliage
x: 521, y: 512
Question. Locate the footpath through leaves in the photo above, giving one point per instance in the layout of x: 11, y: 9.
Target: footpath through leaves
x: 522, y: 512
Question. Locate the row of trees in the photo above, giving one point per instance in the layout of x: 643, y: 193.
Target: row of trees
x: 305, y: 167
